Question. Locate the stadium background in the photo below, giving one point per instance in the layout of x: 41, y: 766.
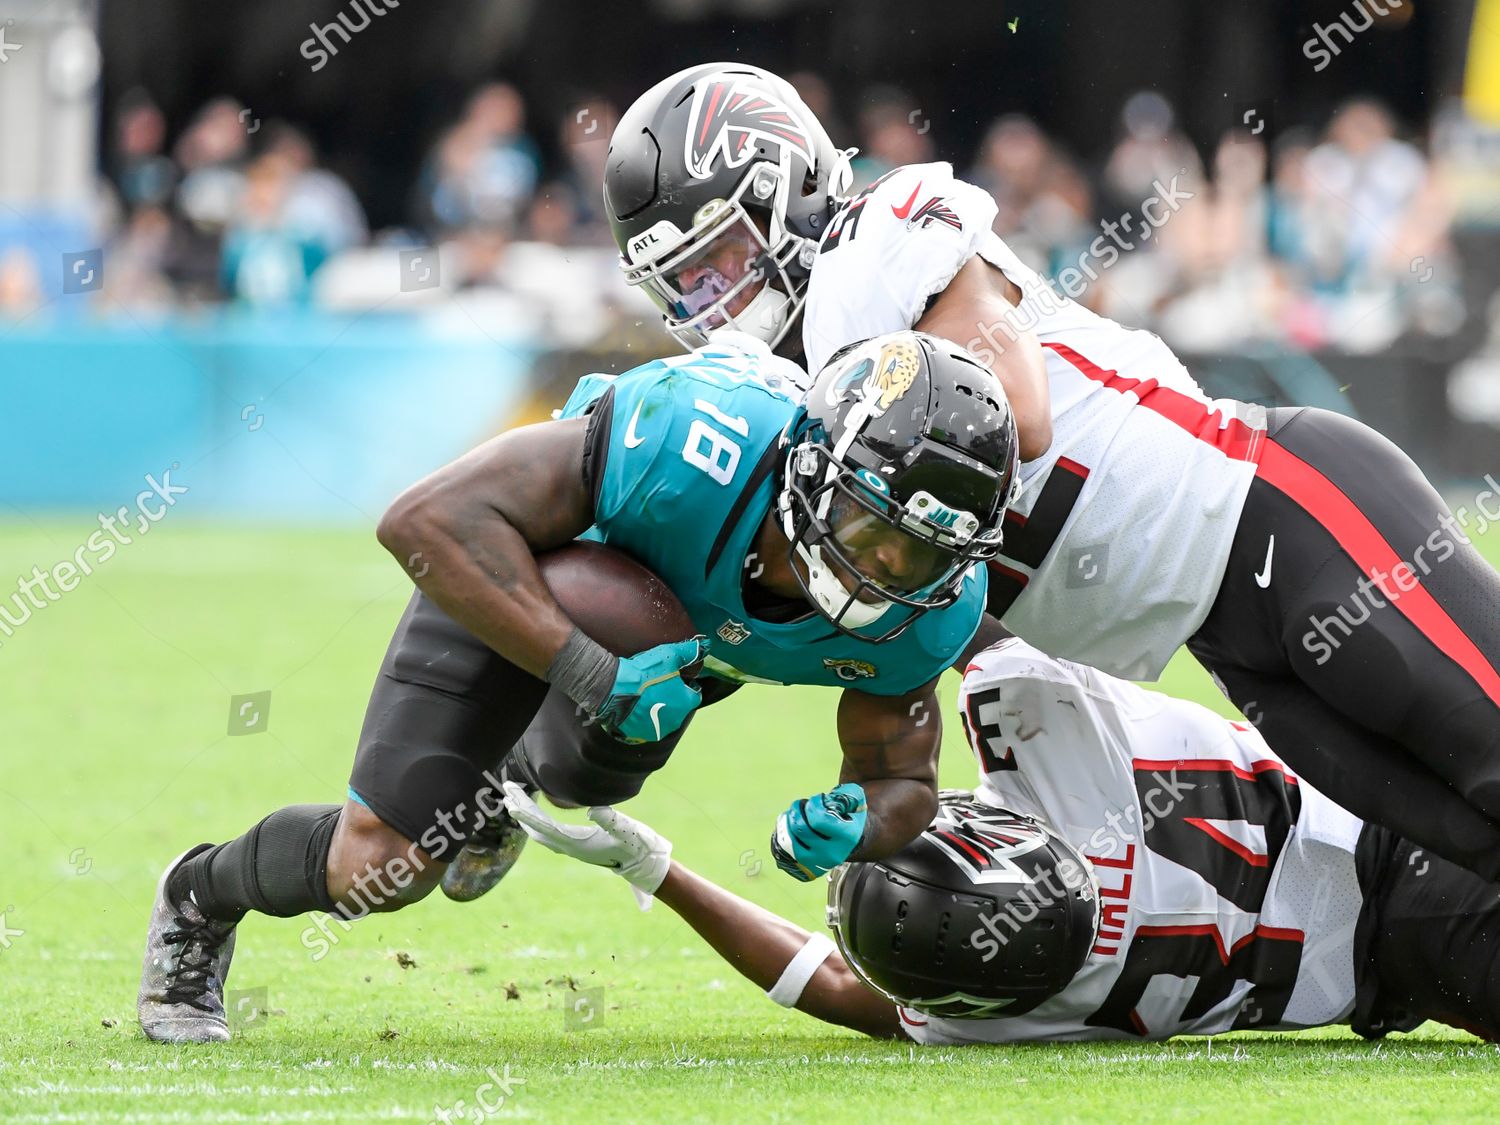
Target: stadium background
x: 247, y: 180
x: 301, y: 268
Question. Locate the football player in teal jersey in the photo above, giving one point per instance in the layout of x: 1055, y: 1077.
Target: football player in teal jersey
x: 834, y: 540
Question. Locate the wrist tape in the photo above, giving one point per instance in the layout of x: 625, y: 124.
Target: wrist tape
x: 584, y: 671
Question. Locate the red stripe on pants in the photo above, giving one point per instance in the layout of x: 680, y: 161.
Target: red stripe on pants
x: 1361, y: 540
x: 1230, y: 436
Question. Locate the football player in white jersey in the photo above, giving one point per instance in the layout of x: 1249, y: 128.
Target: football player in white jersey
x: 1130, y: 866
x: 1299, y: 555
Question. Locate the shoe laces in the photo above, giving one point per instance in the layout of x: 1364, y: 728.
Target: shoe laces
x: 201, y: 940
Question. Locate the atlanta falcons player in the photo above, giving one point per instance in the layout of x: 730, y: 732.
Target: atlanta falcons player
x: 1300, y: 556
x: 1131, y: 866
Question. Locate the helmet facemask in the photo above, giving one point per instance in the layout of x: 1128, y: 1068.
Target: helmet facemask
x: 694, y: 298
x: 837, y: 517
x: 896, y: 476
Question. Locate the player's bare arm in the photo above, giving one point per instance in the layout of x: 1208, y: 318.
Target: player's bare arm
x: 795, y: 967
x: 467, y: 534
x: 890, y: 746
x: 978, y: 296
x: 761, y: 945
x: 476, y: 524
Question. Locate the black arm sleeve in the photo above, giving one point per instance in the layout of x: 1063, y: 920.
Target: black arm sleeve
x: 596, y: 443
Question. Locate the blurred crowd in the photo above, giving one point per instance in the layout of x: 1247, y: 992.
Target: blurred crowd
x: 1340, y: 237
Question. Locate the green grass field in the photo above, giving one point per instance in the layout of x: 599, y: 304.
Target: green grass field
x: 114, y: 706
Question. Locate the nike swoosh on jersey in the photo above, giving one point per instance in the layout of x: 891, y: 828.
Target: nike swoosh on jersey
x: 905, y: 210
x: 1263, y: 579
x: 631, y: 440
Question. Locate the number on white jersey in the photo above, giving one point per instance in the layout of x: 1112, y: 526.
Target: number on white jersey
x: 1210, y: 803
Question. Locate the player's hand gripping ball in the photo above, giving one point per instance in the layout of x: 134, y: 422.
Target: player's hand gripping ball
x: 652, y: 695
x: 817, y: 834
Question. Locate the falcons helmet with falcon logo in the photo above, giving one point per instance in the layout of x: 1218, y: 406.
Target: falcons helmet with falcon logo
x: 985, y: 915
x: 729, y: 121
x: 719, y: 185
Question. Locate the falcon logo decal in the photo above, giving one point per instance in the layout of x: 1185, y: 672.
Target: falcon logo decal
x: 992, y: 845
x: 933, y: 211
x: 726, y: 123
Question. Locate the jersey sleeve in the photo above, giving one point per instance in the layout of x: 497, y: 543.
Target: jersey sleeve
x: 586, y: 394
x: 1016, y: 695
x: 1015, y: 659
x: 886, y: 254
x: 929, y: 648
x: 1036, y: 723
x: 1060, y: 699
x: 630, y: 423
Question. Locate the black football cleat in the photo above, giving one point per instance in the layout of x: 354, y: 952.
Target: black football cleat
x: 182, y: 980
x: 485, y: 859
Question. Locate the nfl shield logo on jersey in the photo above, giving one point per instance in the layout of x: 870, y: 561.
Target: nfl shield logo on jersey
x: 733, y: 632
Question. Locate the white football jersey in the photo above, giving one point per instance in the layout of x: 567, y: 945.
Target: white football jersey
x: 1227, y: 886
x: 1117, y: 546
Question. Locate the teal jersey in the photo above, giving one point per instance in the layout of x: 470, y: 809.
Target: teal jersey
x: 685, y: 483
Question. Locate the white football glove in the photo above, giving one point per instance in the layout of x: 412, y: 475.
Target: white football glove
x: 616, y: 841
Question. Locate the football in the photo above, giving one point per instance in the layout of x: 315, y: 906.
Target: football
x: 613, y: 598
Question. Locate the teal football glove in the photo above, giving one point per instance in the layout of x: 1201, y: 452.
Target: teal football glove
x: 651, y: 696
x: 815, y: 835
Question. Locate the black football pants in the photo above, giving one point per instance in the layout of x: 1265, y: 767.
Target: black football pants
x: 1359, y: 629
x: 449, y: 718
x: 1427, y: 944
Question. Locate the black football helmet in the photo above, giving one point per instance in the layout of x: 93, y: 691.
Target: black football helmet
x: 898, y: 470
x: 719, y: 185
x: 985, y: 915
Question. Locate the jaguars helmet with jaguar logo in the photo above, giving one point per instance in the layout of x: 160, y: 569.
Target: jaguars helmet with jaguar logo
x: 897, y: 474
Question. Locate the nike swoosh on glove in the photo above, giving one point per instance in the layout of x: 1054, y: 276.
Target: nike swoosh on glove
x: 651, y: 698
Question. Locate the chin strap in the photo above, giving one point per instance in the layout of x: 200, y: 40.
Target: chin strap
x: 827, y: 591
x: 830, y: 593
x: 841, y: 175
x: 765, y: 317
